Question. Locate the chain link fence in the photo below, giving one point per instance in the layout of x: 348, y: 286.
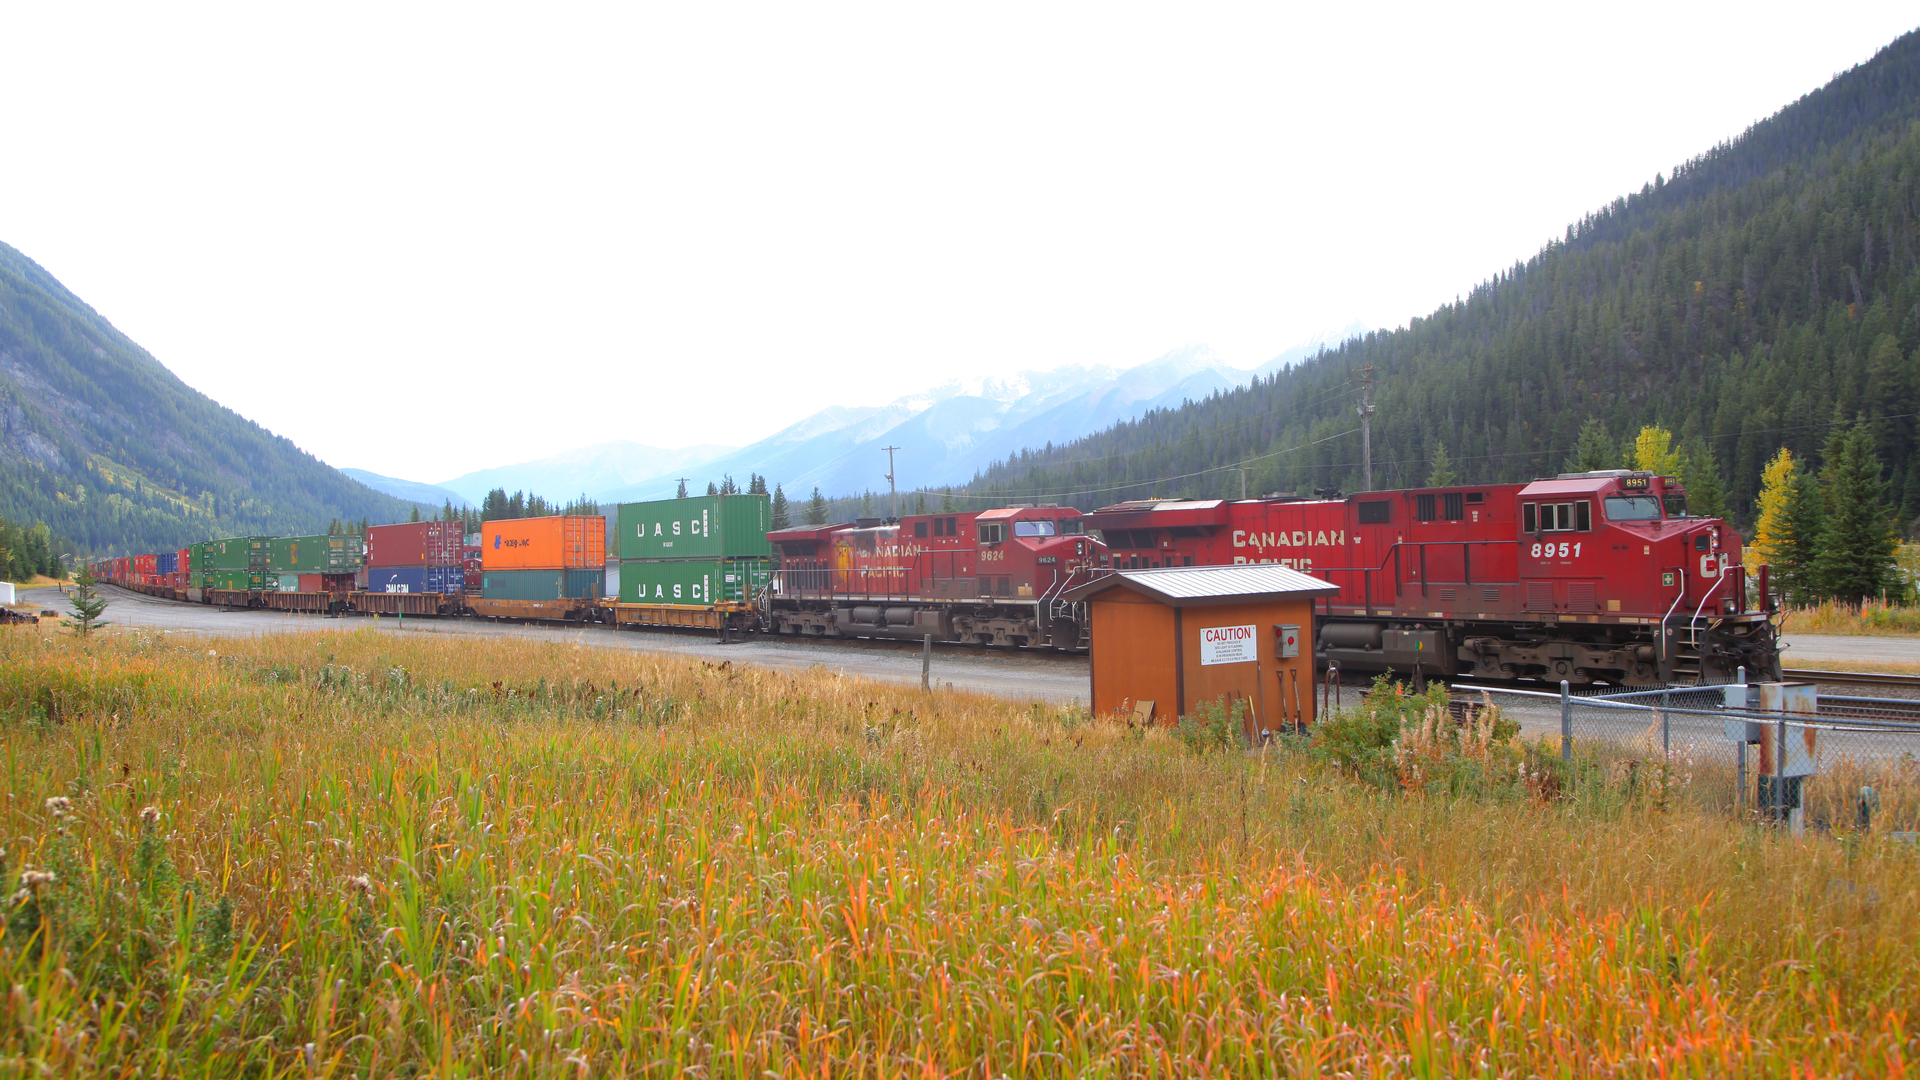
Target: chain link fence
x: 1848, y: 762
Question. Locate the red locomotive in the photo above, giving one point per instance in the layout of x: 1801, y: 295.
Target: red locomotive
x: 1586, y: 577
x: 992, y: 577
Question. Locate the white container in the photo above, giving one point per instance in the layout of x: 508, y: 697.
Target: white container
x: 7, y: 595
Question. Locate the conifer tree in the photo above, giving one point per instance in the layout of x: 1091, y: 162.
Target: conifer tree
x: 757, y: 485
x: 1855, y: 560
x: 781, y: 517
x: 1799, y: 539
x: 87, y: 604
x: 1440, y: 468
x: 416, y: 513
x: 712, y: 489
x: 682, y: 492
x: 1595, y: 450
x: 1700, y: 475
x: 817, y: 508
x: 919, y: 502
x: 947, y: 505
x: 866, y: 503
x: 1776, y: 488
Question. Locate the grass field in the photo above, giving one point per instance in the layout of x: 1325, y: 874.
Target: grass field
x: 1872, y: 618
x: 351, y: 855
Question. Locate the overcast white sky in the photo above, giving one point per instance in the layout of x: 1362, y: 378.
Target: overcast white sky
x: 545, y: 226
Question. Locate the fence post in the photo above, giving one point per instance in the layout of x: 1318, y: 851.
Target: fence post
x: 1666, y: 723
x: 1566, y: 721
x: 1780, y: 771
x: 926, y: 662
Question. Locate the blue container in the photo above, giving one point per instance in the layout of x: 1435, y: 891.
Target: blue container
x: 167, y: 562
x: 416, y: 579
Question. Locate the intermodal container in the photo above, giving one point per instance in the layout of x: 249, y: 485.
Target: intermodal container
x: 416, y: 579
x: 166, y: 562
x: 572, y: 542
x: 237, y: 553
x: 145, y: 564
x: 692, y: 581
x: 415, y: 543
x: 186, y: 564
x: 703, y: 527
x: 239, y: 580
x: 315, y: 555
x: 575, y: 584
x: 286, y: 582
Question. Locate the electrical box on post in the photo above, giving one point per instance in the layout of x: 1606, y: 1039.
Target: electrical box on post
x: 1286, y: 640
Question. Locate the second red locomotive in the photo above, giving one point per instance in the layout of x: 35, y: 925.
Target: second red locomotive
x: 992, y: 577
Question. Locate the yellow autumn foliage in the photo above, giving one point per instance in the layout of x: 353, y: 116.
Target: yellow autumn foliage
x: 1653, y: 452
x: 1776, y: 486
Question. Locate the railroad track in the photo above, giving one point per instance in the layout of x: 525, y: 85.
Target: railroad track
x: 1850, y: 678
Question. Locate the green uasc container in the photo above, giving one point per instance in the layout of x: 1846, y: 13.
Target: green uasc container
x: 692, y: 582
x: 238, y: 553
x: 314, y: 555
x: 575, y: 584
x: 702, y: 527
x: 237, y: 580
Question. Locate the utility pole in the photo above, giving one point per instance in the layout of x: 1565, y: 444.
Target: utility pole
x: 1243, y: 483
x: 893, y: 490
x: 681, y: 491
x: 1366, y: 428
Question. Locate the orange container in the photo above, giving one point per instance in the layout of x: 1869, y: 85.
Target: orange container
x: 545, y: 543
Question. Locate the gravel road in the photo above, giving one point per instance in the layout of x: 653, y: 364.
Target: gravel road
x: 1021, y: 677
x: 1804, y: 650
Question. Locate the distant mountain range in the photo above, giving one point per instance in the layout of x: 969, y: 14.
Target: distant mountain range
x: 946, y: 435
x: 116, y: 455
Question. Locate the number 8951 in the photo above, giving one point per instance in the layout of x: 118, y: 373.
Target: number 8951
x: 1556, y: 551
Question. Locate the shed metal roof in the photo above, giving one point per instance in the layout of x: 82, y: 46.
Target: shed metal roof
x: 1183, y: 586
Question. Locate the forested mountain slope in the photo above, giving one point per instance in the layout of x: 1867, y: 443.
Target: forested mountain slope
x: 1768, y: 289
x: 112, y: 451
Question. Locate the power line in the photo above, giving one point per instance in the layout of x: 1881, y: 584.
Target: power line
x: 1136, y: 483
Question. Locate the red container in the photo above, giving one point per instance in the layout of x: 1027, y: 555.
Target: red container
x: 311, y: 583
x: 416, y: 543
x: 146, y: 564
x: 337, y: 583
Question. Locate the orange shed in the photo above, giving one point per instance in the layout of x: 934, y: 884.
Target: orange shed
x: 1167, y: 640
x: 571, y: 542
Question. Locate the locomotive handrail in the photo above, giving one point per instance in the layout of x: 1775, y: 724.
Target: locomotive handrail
x: 1393, y: 556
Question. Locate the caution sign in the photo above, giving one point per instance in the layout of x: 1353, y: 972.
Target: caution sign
x: 1228, y: 645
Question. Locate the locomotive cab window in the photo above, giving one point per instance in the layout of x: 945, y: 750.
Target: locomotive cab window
x: 1076, y: 527
x: 1633, y: 508
x: 1033, y: 528
x: 919, y: 528
x: 1556, y: 517
x: 1676, y: 504
x: 1374, y: 512
x: 993, y: 532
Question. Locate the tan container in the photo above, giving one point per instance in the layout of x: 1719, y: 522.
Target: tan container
x: 546, y: 543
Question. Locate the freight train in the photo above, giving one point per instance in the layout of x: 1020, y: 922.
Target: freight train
x: 1585, y: 577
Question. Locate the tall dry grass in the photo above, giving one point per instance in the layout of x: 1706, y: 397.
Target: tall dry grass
x: 1832, y: 617
x: 378, y: 856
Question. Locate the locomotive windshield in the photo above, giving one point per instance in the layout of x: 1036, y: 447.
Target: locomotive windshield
x: 1033, y: 528
x: 1633, y: 508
